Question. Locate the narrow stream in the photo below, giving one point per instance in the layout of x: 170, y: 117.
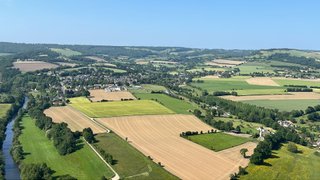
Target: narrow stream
x: 11, y: 168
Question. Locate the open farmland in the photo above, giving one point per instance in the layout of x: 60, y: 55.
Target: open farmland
x: 287, y: 165
x: 285, y: 105
x: 121, y: 108
x: 262, y: 81
x: 291, y: 95
x: 66, y: 52
x: 238, y: 83
x: 130, y: 162
x: 96, y: 58
x: 224, y: 63
x: 176, y: 105
x: 252, y: 67
x: 76, y: 120
x: 158, y: 136
x: 147, y: 88
x: 76, y: 100
x: 4, y: 108
x: 26, y: 66
x: 300, y: 82
x: 100, y: 95
x: 217, y: 141
x: 83, y: 164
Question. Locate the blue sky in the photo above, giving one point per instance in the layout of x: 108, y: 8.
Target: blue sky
x: 230, y: 24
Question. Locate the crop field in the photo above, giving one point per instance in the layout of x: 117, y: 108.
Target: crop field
x: 304, y: 82
x: 115, y: 70
x: 76, y: 120
x: 177, y: 105
x: 4, y: 108
x: 97, y: 95
x: 66, y: 52
x: 228, y: 84
x: 262, y: 81
x: 247, y: 92
x: 67, y: 64
x: 290, y: 96
x: 217, y: 141
x: 130, y: 163
x: 121, y: 108
x: 157, y: 136
x: 26, y: 66
x: 147, y: 88
x: 224, y: 63
x: 96, y: 58
x: 287, y: 165
x: 82, y: 164
x: 285, y: 105
x: 206, y: 68
x: 76, y: 100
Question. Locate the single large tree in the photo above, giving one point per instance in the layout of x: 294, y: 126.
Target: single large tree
x: 243, y: 152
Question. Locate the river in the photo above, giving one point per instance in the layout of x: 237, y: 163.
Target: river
x: 11, y: 169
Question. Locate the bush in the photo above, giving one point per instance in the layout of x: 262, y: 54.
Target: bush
x: 292, y: 147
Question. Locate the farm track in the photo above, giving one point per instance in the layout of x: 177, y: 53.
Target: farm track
x: 157, y: 136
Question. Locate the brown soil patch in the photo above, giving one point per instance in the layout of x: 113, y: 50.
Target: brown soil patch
x: 262, y: 81
x: 26, y: 66
x: 76, y: 120
x: 157, y: 136
x: 95, y: 58
x: 293, y: 95
x: 97, y: 95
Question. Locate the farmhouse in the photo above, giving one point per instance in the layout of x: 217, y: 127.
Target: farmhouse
x: 286, y: 124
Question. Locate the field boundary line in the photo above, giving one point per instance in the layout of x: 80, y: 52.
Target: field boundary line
x: 91, y: 119
x: 116, y: 175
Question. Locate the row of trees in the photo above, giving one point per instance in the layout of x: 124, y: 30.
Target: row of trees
x: 63, y: 138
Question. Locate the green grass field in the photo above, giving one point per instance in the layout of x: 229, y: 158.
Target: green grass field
x: 228, y: 84
x: 129, y: 161
x: 261, y: 92
x: 121, y: 108
x: 284, y: 105
x: 207, y: 68
x: 4, y: 108
x: 218, y: 141
x: 252, y: 67
x: 176, y: 105
x: 66, y: 52
x: 147, y: 88
x: 77, y: 100
x: 82, y: 164
x: 246, y: 127
x: 283, y: 82
x: 115, y: 70
x: 287, y: 165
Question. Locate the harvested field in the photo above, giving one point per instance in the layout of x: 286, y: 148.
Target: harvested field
x: 67, y: 64
x: 211, y: 77
x: 100, y: 94
x: 26, y: 66
x: 76, y: 120
x: 292, y: 95
x: 262, y: 81
x: 157, y: 136
x: 225, y: 61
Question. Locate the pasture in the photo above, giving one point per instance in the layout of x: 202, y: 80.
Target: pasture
x: 27, y: 66
x: 66, y: 52
x: 130, y: 163
x: 252, y: 67
x: 177, y: 105
x: 97, y: 95
x: 121, y: 108
x: 147, y: 88
x: 82, y: 164
x: 77, y: 100
x: 115, y: 70
x: 4, y: 108
x: 285, y: 105
x: 157, y: 136
x: 287, y: 165
x: 217, y: 141
x: 76, y: 120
